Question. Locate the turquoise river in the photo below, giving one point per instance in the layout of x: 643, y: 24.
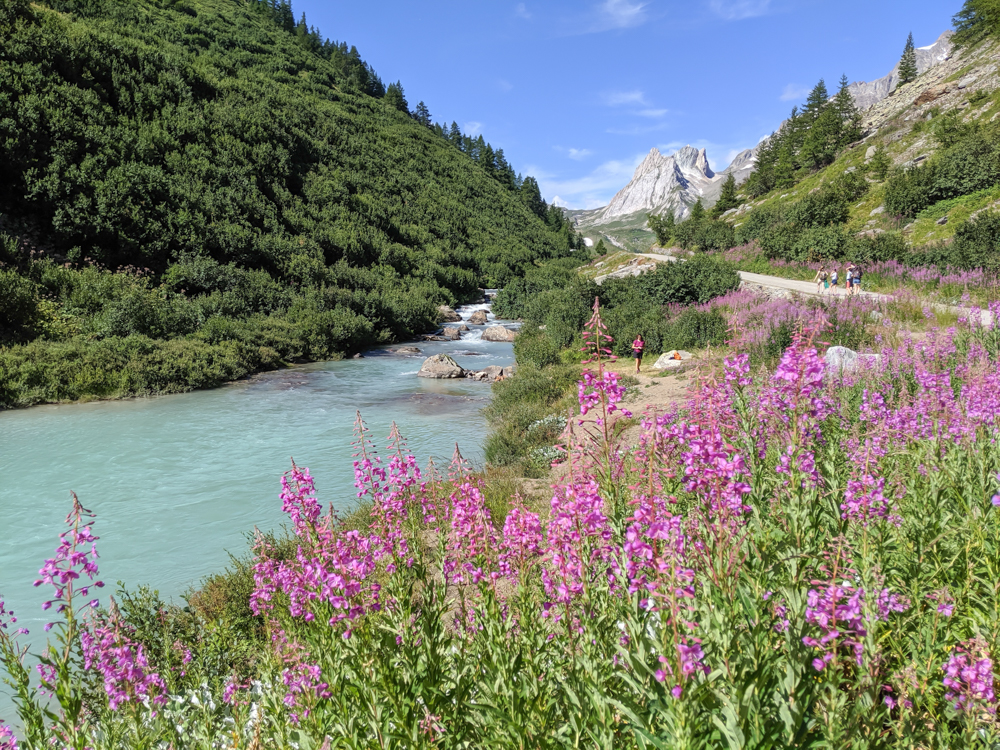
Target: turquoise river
x: 178, y: 481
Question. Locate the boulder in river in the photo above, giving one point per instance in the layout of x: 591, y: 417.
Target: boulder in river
x: 441, y: 367
x: 499, y: 333
x: 479, y: 318
x: 452, y: 333
x: 405, y: 350
x: 448, y: 315
x: 491, y: 373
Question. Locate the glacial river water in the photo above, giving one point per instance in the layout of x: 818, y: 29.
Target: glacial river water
x: 177, y: 481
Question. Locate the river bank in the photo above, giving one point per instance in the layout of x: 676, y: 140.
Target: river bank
x: 178, y: 481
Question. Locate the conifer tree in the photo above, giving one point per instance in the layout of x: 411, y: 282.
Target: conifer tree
x: 532, y: 197
x: 422, y: 115
x: 975, y: 21
x: 816, y: 103
x: 908, y: 62
x: 697, y: 211
x: 727, y: 198
x: 850, y: 118
x: 394, y: 96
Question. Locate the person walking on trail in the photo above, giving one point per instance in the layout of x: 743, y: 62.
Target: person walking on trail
x: 833, y: 279
x: 857, y: 279
x: 850, y: 279
x: 822, y: 281
x: 637, y: 346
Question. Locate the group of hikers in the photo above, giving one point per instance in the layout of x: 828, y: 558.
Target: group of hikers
x: 825, y: 279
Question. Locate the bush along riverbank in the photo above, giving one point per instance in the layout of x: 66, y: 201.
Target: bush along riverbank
x: 792, y: 558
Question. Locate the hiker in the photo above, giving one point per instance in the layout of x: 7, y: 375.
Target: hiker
x: 822, y: 281
x: 833, y: 279
x: 637, y: 346
x: 857, y: 278
x: 850, y: 279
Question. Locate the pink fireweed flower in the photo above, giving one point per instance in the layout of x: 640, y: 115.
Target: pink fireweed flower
x: 579, y: 549
x: 596, y: 389
x: 108, y: 649
x: 472, y: 541
x: 837, y: 611
x: 969, y: 678
x: 521, y: 544
x: 8, y: 740
x: 298, y: 499
x: 72, y: 560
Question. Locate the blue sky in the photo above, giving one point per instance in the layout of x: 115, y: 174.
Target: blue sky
x: 576, y: 93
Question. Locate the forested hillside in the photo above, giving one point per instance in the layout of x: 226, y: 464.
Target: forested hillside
x: 197, y: 189
x: 914, y: 179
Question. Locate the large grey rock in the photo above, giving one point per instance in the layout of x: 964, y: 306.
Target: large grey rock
x: 478, y: 318
x: 452, y: 333
x: 448, y: 315
x: 840, y: 359
x: 499, y: 333
x: 870, y: 153
x: 440, y: 367
x: 868, y: 93
x: 405, y: 350
x: 672, y: 360
x: 877, y: 211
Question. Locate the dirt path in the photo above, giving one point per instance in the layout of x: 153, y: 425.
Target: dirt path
x: 809, y: 288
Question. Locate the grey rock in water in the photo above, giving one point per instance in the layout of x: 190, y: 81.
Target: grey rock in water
x: 448, y: 315
x: 478, y: 318
x: 491, y: 374
x: 452, y: 333
x: 405, y: 350
x: 499, y: 333
x: 840, y: 359
x: 440, y: 367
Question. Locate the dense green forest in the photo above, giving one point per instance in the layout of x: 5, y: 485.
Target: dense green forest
x: 198, y: 189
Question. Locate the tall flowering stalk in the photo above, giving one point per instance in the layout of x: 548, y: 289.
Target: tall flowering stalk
x: 109, y: 650
x: 970, y: 680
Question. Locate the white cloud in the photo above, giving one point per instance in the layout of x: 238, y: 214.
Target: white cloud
x: 652, y: 112
x: 793, y: 92
x: 617, y: 98
x: 521, y: 11
x: 591, y: 190
x: 620, y: 14
x: 579, y: 153
x: 737, y: 10
x: 472, y: 128
x: 557, y: 201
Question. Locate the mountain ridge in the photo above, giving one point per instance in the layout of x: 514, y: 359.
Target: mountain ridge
x: 674, y: 183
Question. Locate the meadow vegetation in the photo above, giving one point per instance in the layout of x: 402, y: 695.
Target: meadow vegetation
x: 793, y: 557
x: 199, y: 189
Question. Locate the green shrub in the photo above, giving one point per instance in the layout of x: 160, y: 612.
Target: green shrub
x: 19, y: 314
x: 977, y: 242
x: 534, y: 347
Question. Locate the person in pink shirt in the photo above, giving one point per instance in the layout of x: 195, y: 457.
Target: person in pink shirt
x: 637, y: 346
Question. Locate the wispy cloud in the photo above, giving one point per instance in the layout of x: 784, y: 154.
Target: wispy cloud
x: 617, y: 98
x: 578, y: 153
x: 793, y: 92
x: 652, y: 112
x: 472, y: 128
x: 521, y: 11
x: 591, y: 190
x: 737, y: 10
x: 620, y: 14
